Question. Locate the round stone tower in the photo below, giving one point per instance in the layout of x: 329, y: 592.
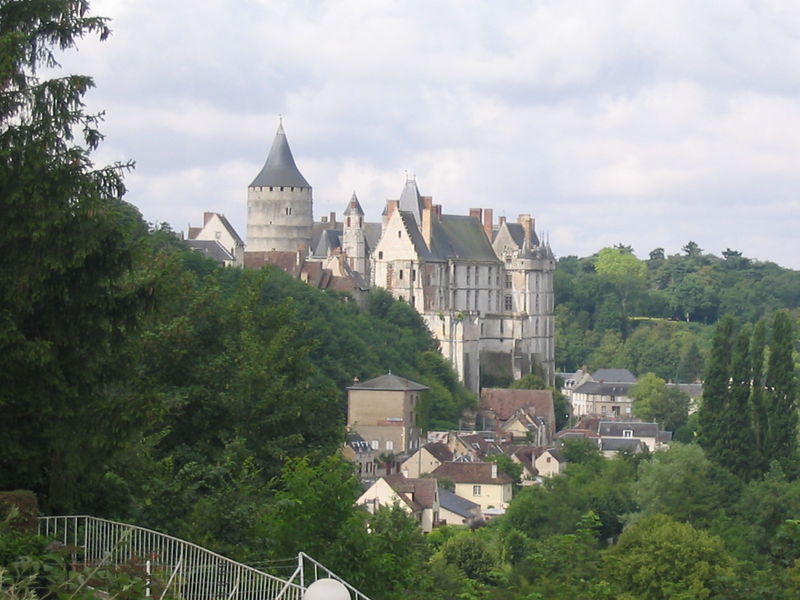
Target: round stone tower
x: 279, y: 203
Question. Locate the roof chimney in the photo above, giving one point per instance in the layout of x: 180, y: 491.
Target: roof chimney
x: 527, y: 227
x: 502, y: 220
x: 494, y: 470
x: 333, y: 218
x: 475, y: 212
x: 207, y: 216
x: 427, y: 218
x: 488, y: 222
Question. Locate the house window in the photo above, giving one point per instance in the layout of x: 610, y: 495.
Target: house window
x: 508, y: 303
x: 627, y: 433
x: 375, y: 444
x: 389, y: 445
x: 476, y: 490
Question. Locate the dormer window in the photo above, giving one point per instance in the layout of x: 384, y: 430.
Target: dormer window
x: 627, y: 433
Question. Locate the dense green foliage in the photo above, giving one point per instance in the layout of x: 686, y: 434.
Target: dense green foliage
x: 613, y: 310
x: 144, y: 383
x: 746, y: 421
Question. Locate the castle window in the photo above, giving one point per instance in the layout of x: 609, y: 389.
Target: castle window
x: 348, y: 221
x: 468, y: 274
x: 270, y: 188
x: 288, y: 210
x: 508, y: 303
x: 281, y: 188
x: 413, y: 275
x: 508, y: 281
x: 380, y: 254
x: 401, y: 274
x: 399, y: 234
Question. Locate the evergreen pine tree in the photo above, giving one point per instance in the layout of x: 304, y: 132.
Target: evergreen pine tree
x: 757, y: 400
x: 781, y: 439
x: 716, y: 389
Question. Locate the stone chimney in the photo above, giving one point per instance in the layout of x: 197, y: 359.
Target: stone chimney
x: 502, y: 220
x: 207, y: 216
x: 427, y: 219
x: 527, y: 226
x: 391, y: 206
x: 437, y: 209
x: 475, y: 212
x: 333, y: 218
x: 488, y: 222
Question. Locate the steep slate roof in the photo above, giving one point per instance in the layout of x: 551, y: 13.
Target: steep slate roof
x: 597, y: 388
x: 517, y: 233
x: 418, y: 493
x: 329, y: 240
x: 410, y: 200
x: 354, y: 207
x: 571, y: 434
x: 439, y: 451
x: 616, y: 428
x: 614, y: 376
x: 211, y: 249
x: 456, y: 504
x: 615, y: 445
x: 481, y: 444
x: 388, y: 382
x: 464, y: 237
x: 505, y: 402
x: 229, y: 228
x: 480, y: 473
x: 280, y: 170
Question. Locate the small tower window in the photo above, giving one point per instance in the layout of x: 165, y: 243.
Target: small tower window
x: 399, y: 234
x: 508, y: 303
x: 288, y: 210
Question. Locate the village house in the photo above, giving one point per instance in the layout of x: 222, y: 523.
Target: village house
x: 384, y: 412
x: 419, y: 497
x: 455, y: 510
x: 479, y: 482
x: 426, y: 459
x: 217, y: 240
x: 518, y: 414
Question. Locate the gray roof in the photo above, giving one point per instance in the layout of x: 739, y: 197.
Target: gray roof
x: 211, y: 249
x: 615, y: 445
x: 280, y: 170
x: 410, y: 200
x: 517, y: 233
x: 388, y: 382
x: 354, y: 207
x: 614, y: 376
x: 453, y: 237
x: 616, y: 428
x: 461, y: 506
x: 595, y: 388
x: 328, y: 240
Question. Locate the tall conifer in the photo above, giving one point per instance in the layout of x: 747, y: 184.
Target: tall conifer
x: 757, y: 399
x: 736, y: 447
x: 781, y: 439
x: 715, y: 389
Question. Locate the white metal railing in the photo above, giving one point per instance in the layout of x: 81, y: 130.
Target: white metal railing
x: 173, y: 566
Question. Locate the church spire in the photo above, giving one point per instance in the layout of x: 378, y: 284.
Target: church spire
x: 280, y: 169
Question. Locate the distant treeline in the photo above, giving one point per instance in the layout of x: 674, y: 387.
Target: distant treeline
x: 614, y: 310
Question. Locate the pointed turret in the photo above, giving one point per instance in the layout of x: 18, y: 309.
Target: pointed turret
x: 279, y: 203
x: 410, y: 199
x: 280, y: 169
x: 353, y: 207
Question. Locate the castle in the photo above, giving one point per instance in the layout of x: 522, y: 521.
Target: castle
x: 484, y: 288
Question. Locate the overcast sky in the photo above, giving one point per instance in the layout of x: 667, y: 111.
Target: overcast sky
x: 645, y: 123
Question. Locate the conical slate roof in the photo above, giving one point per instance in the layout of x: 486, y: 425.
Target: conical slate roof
x: 280, y: 170
x: 354, y: 207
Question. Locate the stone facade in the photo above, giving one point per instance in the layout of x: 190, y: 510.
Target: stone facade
x: 484, y: 289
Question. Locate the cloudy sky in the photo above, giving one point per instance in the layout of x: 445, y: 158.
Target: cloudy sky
x: 649, y: 123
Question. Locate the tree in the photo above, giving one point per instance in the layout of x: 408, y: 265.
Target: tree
x: 690, y: 367
x: 781, y: 439
x: 662, y: 559
x: 683, y: 483
x: 737, y: 450
x: 626, y: 273
x: 654, y: 401
x: 757, y: 394
x: 715, y: 389
x: 68, y: 243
